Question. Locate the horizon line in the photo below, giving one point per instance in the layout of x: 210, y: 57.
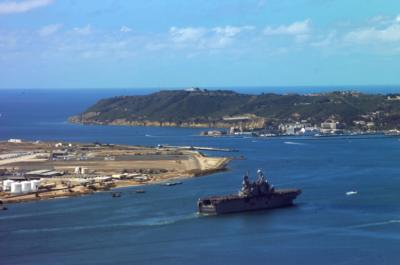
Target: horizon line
x: 210, y: 87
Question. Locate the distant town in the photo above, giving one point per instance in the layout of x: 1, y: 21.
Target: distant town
x: 367, y: 124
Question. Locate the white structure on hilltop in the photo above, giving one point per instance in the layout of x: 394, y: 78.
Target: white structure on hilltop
x: 193, y: 89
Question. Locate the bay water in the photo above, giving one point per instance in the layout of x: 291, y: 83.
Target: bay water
x: 162, y: 226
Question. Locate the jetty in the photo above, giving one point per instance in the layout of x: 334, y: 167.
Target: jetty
x: 196, y: 148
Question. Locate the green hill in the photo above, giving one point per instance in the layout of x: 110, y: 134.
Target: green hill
x: 204, y: 108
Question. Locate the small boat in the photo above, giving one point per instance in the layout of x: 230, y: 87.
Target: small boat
x: 2, y: 207
x: 352, y: 192
x: 140, y: 191
x: 116, y: 194
x: 171, y: 183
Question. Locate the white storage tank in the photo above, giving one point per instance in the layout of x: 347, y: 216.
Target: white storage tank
x: 26, y: 186
x: 16, y: 188
x: 35, y: 185
x: 7, y: 184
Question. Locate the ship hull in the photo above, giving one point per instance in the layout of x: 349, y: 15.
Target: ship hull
x: 236, y: 203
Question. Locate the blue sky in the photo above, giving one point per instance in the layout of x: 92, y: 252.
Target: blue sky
x: 225, y: 43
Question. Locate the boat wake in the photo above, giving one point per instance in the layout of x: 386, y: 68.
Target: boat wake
x: 377, y: 224
x: 167, y: 220
x: 294, y: 143
x: 152, y: 221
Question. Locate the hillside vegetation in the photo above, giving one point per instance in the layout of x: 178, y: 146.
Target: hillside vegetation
x: 208, y: 108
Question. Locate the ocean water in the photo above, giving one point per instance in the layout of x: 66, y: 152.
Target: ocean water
x: 162, y: 226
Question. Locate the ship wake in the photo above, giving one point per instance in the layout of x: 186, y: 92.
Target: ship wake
x: 389, y: 222
x: 147, y: 222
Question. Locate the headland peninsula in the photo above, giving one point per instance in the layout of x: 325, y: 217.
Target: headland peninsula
x: 263, y: 114
x: 42, y: 170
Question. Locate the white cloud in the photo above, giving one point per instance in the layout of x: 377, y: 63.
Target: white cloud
x: 223, y: 36
x: 12, y: 7
x: 381, y: 20
x: 296, y: 28
x: 86, y: 41
x: 188, y: 34
x: 206, y: 38
x: 388, y: 34
x: 125, y: 29
x: 230, y: 31
x: 49, y: 29
x: 86, y: 30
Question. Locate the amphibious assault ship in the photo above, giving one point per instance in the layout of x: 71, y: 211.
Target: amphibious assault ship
x: 258, y: 195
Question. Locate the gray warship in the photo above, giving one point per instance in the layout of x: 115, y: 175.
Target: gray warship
x: 258, y: 195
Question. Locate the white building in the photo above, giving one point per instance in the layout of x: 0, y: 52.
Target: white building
x: 16, y: 188
x: 15, y: 141
x: 329, y: 126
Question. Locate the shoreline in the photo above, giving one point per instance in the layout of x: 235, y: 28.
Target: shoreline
x: 104, y: 167
x: 118, y: 185
x: 216, y: 124
x: 222, y: 126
